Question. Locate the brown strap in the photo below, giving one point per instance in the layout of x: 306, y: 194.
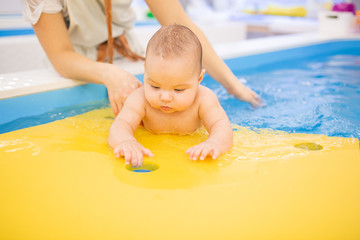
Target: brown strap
x: 101, y: 52
x: 122, y: 47
x: 106, y: 49
x: 110, y: 45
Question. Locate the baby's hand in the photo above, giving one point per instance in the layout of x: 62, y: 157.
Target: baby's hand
x: 133, y: 152
x: 202, y: 150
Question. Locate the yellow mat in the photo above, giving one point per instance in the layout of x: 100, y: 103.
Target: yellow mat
x: 61, y: 181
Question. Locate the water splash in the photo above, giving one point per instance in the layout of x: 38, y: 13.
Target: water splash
x: 318, y: 95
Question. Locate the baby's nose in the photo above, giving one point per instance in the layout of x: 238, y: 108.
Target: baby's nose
x: 165, y: 96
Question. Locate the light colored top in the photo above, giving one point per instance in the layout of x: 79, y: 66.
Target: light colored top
x: 87, y: 28
x: 32, y: 9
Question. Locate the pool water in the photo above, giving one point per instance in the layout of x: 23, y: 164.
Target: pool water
x: 51, y: 115
x: 319, y: 95
x: 312, y: 89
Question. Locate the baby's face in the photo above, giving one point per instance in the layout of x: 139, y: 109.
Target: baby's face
x: 171, y: 84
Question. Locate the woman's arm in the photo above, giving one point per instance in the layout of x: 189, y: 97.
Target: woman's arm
x: 55, y: 40
x: 170, y: 12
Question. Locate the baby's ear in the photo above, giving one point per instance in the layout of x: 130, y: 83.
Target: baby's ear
x: 202, y: 73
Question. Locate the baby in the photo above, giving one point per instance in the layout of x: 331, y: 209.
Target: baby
x: 172, y: 100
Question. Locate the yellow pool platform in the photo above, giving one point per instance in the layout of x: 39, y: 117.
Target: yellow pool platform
x: 61, y: 181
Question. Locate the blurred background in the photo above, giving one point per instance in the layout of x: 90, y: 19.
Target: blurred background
x: 263, y: 17
x: 223, y: 21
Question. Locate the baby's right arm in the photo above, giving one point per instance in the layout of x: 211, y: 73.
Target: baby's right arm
x: 121, y: 135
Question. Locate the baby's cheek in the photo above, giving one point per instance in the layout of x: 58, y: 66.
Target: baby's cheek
x: 153, y: 103
x: 150, y: 97
x: 186, y: 101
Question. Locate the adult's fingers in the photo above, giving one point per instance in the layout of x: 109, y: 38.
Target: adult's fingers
x: 114, y: 107
x: 256, y: 101
x: 138, y: 83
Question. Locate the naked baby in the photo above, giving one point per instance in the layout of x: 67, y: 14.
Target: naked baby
x: 172, y: 100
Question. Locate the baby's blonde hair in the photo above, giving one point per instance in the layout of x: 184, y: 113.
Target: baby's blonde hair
x: 174, y: 40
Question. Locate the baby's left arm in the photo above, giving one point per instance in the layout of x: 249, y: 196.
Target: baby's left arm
x: 217, y: 124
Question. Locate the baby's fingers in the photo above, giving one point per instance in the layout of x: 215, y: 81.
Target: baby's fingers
x: 127, y: 156
x: 196, y: 152
x: 147, y: 152
x: 206, y: 151
x: 216, y: 153
x: 118, y: 151
x: 189, y: 151
x: 137, y: 162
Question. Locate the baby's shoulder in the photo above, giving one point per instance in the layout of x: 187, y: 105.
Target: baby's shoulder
x: 206, y: 94
x: 137, y: 97
x: 137, y: 94
x: 207, y: 99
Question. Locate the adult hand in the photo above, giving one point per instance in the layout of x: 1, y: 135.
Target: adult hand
x: 119, y: 84
x: 244, y: 93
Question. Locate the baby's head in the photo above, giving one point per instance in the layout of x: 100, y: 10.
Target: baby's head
x: 173, y: 68
x: 174, y: 41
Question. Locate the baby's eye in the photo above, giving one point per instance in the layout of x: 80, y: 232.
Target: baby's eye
x: 179, y: 90
x: 155, y: 87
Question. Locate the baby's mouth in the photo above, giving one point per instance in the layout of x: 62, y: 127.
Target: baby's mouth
x: 165, y: 108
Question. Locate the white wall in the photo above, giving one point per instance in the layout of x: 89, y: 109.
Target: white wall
x: 10, y: 7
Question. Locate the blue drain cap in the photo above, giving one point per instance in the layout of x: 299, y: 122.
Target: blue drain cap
x: 145, y: 168
x: 141, y: 170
